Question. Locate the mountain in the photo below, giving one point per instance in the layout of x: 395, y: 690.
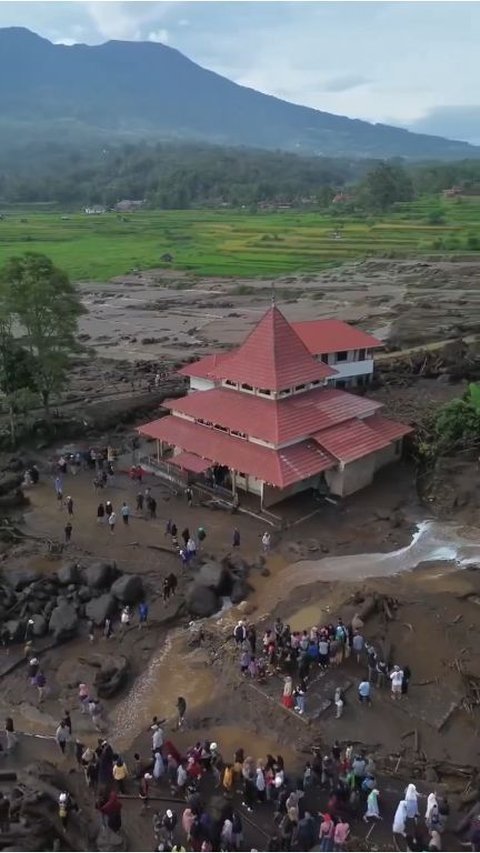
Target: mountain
x: 132, y: 90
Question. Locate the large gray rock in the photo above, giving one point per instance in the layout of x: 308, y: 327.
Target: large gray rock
x: 202, y: 600
x: 237, y: 565
x: 239, y: 591
x: 215, y: 576
x: 100, y: 575
x: 40, y: 625
x: 69, y: 574
x: 16, y: 629
x: 99, y: 608
x: 63, y: 621
x: 19, y: 578
x: 128, y: 589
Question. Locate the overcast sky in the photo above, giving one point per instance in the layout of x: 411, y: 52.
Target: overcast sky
x: 410, y: 63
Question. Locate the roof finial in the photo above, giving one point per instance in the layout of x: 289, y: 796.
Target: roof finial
x: 274, y: 301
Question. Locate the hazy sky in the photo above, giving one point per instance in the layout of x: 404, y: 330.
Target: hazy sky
x: 410, y: 63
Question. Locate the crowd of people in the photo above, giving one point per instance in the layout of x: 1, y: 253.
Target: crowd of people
x: 305, y: 655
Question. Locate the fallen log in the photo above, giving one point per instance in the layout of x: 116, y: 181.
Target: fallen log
x: 443, y: 722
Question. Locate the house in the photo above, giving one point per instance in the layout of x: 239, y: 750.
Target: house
x: 346, y: 348
x: 342, y: 198
x: 264, y: 419
x: 95, y: 210
x: 128, y: 206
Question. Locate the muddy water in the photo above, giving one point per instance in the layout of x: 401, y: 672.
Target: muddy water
x: 450, y: 545
x: 174, y: 671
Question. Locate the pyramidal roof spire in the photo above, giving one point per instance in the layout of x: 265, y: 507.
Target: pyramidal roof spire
x: 273, y: 357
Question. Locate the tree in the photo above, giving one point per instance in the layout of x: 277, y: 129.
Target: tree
x: 384, y: 185
x: 47, y: 307
x: 17, y: 373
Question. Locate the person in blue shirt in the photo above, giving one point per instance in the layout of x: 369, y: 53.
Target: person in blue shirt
x: 142, y: 613
x: 364, y: 692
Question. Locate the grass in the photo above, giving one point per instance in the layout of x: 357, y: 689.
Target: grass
x: 235, y: 243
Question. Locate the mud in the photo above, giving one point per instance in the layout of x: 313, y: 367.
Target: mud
x: 158, y: 314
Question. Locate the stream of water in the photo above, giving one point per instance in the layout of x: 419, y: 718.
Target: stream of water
x: 176, y: 671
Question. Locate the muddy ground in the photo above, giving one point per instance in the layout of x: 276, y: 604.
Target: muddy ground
x: 315, y: 570
x: 161, y: 314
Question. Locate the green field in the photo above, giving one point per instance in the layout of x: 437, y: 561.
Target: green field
x: 236, y: 243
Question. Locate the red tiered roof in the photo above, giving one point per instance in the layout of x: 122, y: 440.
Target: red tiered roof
x: 272, y: 357
x: 391, y: 430
x: 279, y: 467
x: 204, y: 368
x: 325, y: 336
x: 351, y: 440
x: 275, y: 421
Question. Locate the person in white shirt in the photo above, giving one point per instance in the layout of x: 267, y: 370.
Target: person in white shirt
x: 112, y: 518
x: 266, y: 541
x: 396, y: 678
x: 157, y: 738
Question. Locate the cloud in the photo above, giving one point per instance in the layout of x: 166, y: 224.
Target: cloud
x: 345, y: 83
x: 161, y: 36
x: 453, y: 121
x: 128, y: 21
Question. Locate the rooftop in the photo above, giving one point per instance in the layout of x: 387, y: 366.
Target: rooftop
x: 272, y: 357
x: 278, y: 467
x: 275, y: 421
x: 325, y: 336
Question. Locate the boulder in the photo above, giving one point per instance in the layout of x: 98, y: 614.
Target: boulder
x: 19, y: 578
x: 215, y: 576
x: 238, y: 566
x: 16, y: 629
x: 84, y: 593
x: 112, y: 676
x: 202, y: 600
x: 69, y: 574
x: 40, y: 625
x: 99, y: 608
x: 100, y: 575
x: 239, y: 591
x: 63, y: 621
x: 128, y: 589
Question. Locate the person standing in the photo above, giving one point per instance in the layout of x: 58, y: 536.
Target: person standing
x: 100, y: 513
x: 236, y: 538
x: 144, y: 790
x: 185, y: 535
x: 41, y: 685
x: 125, y: 618
x: 372, y: 806
x: 396, y: 678
x: 152, y: 506
x: 181, y: 711
x: 62, y: 736
x: 112, y: 519
x: 266, y: 542
x: 166, y: 590
x: 120, y: 773
x: 358, y: 645
x: 125, y: 511
x: 10, y: 735
x: 59, y: 491
x: 364, y: 692
x: 339, y: 703
x: 189, y: 496
x: 4, y: 813
x: 108, y: 508
x: 68, y: 532
x: 191, y: 548
x: 140, y: 500
x: 69, y: 505
x: 407, y: 674
x: 142, y: 614
x: 341, y: 833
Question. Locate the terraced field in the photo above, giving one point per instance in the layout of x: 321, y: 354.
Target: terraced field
x: 237, y: 243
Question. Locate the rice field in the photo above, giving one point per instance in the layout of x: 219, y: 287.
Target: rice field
x: 236, y: 243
